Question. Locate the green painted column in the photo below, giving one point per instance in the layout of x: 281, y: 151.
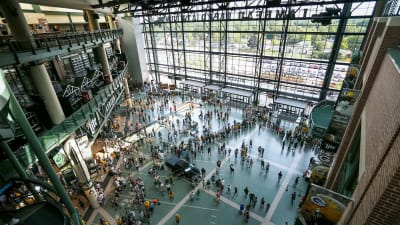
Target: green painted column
x: 44, y: 86
x: 19, y: 116
x: 18, y: 167
x: 101, y: 53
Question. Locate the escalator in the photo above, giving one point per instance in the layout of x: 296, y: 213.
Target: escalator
x: 38, y: 207
x: 43, y: 213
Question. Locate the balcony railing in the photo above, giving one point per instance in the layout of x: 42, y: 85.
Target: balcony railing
x: 55, y: 136
x: 43, y: 46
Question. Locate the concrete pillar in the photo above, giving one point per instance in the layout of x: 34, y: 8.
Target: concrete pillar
x: 127, y: 93
x: 92, y: 22
x: 110, y: 21
x: 22, y: 33
x: 101, y: 53
x: 17, y: 24
x: 81, y: 171
x: 112, y: 25
x: 132, y: 39
x: 43, y: 84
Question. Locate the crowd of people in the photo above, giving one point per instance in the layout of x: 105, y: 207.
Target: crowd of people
x: 163, y: 110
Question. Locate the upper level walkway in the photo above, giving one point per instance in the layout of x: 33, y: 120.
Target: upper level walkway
x: 50, y: 45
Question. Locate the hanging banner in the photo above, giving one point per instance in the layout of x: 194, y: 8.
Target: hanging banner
x: 321, y: 206
x: 343, y: 111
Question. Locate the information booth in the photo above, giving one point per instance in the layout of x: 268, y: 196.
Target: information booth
x: 289, y: 109
x: 212, y: 92
x: 237, y: 97
x: 192, y: 88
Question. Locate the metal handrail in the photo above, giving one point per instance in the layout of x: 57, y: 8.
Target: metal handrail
x: 50, y: 40
x: 48, y: 198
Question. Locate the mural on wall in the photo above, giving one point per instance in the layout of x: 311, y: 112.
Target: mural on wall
x: 321, y: 206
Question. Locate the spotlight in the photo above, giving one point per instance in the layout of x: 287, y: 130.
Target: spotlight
x: 324, y: 18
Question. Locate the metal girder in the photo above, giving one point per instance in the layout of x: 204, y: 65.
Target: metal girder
x: 282, y: 47
x: 142, y: 8
x: 172, y: 49
x: 183, y: 41
x: 335, y: 51
x: 72, y: 91
x: 154, y: 46
x: 86, y: 83
x: 392, y: 8
x: 97, y: 74
x: 260, y: 53
x: 276, y: 32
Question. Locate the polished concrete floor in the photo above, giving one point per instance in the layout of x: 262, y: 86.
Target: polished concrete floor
x: 204, y: 209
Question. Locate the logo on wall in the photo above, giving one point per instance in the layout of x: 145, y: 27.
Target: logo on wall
x: 321, y: 206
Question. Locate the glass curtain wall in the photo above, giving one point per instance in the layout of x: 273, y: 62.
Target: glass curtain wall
x: 296, y: 50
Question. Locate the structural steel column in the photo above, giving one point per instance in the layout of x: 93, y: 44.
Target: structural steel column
x: 19, y: 116
x: 71, y: 23
x: 38, y: 73
x: 101, y: 53
x: 341, y: 29
x: 81, y: 171
x: 43, y: 84
x: 18, y: 167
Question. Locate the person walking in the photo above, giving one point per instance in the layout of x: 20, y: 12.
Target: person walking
x: 235, y: 193
x: 232, y: 168
x: 177, y: 218
x: 262, y: 202
x: 203, y: 172
x: 229, y: 189
x: 279, y: 176
x: 293, y: 197
x: 246, y: 191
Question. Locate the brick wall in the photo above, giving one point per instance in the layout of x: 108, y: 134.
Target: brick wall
x: 380, y: 38
x: 378, y: 186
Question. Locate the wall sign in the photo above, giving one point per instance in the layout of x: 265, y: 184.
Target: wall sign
x: 243, y: 14
x: 109, y: 104
x: 92, y: 125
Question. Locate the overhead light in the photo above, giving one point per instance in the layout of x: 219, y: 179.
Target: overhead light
x: 325, y: 18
